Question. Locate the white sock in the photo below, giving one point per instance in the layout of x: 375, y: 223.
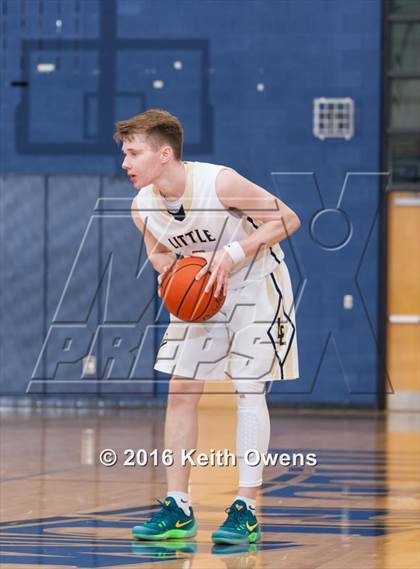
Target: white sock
x: 181, y: 499
x: 252, y: 429
x: 250, y: 503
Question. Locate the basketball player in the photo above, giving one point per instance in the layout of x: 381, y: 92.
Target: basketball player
x: 193, y: 208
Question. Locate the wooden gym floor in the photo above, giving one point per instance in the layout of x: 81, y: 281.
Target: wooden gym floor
x: 357, y: 508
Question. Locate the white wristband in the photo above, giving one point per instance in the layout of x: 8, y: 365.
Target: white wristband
x: 235, y: 251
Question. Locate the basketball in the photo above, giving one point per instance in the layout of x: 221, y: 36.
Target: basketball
x: 184, y: 297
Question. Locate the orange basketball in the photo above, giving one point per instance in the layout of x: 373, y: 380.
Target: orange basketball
x: 184, y: 297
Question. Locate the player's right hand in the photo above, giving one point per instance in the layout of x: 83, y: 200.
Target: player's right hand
x: 161, y: 276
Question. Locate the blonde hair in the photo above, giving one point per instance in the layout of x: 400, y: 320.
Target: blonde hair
x: 158, y: 125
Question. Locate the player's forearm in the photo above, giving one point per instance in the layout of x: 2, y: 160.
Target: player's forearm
x: 270, y: 233
x: 161, y: 260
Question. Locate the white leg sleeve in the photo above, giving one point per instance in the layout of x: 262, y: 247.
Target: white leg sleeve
x: 253, y: 428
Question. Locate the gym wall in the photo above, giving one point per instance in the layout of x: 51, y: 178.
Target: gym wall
x: 242, y: 80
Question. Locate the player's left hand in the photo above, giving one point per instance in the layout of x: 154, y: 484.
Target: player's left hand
x: 219, y: 264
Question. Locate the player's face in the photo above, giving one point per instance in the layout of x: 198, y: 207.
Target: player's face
x: 142, y: 161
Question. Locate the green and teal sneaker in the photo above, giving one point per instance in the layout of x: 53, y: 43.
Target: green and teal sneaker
x: 241, y: 526
x: 170, y: 522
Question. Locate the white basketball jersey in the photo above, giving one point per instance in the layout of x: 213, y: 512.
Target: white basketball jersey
x: 207, y: 224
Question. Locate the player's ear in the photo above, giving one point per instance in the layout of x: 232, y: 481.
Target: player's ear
x: 166, y: 153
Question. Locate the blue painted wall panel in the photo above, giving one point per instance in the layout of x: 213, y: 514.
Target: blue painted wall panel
x: 72, y: 272
x: 22, y: 284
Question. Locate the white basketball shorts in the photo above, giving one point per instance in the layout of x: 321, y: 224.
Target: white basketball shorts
x: 253, y: 336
